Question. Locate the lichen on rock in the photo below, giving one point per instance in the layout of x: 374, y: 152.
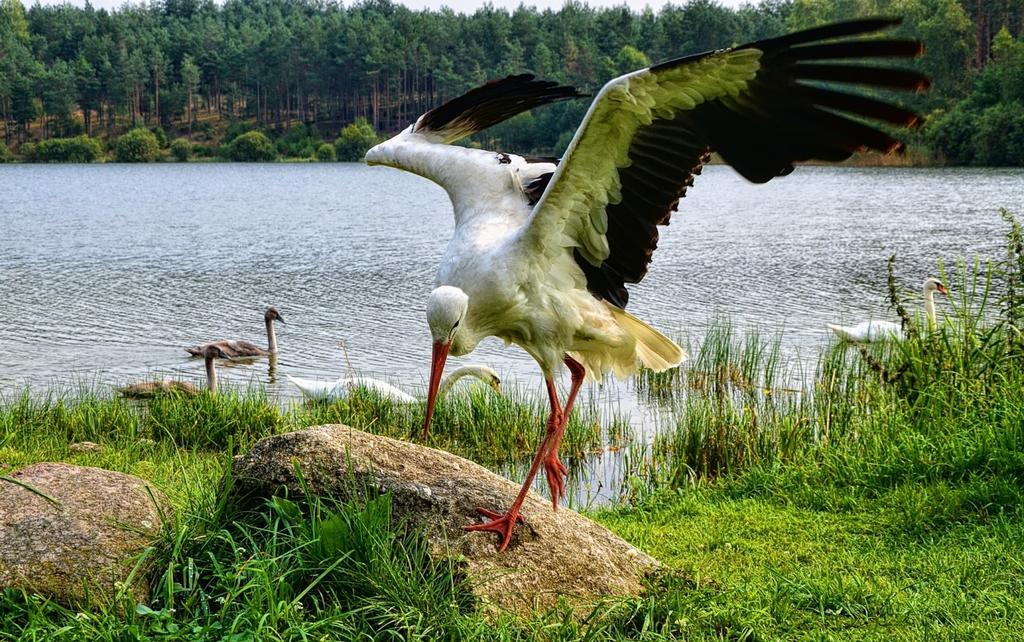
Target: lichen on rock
x: 74, y: 533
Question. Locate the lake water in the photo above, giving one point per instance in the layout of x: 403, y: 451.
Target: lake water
x: 108, y: 271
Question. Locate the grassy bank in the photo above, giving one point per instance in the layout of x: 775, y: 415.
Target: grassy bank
x: 882, y: 500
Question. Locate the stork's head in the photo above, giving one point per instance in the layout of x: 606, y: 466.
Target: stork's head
x: 931, y: 284
x: 387, y: 152
x: 446, y: 309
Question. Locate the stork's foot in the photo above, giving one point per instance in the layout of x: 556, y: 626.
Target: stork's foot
x: 501, y: 523
x: 556, y: 473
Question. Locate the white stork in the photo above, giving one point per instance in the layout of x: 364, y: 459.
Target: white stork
x: 542, y: 249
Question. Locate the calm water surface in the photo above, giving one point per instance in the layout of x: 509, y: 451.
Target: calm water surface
x: 108, y: 271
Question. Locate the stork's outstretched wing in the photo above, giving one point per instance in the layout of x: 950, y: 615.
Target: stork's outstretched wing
x: 473, y: 177
x: 488, y: 105
x: 761, y: 106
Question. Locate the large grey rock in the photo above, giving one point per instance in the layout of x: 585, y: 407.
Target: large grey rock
x: 554, y: 554
x: 71, y: 532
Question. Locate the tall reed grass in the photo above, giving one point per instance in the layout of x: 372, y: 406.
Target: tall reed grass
x: 946, y: 401
x: 475, y: 423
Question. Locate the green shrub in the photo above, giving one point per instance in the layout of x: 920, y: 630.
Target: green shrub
x: 999, y: 138
x: 354, y: 140
x: 252, y: 147
x: 80, y: 149
x: 181, y: 149
x: 301, y: 141
x: 204, y: 129
x: 206, y: 151
x: 137, y: 146
x: 951, y: 134
x: 235, y: 129
x: 5, y: 154
x: 325, y: 153
x: 161, y: 137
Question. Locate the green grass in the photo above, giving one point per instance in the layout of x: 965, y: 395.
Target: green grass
x: 884, y: 501
x: 769, y: 568
x: 173, y: 438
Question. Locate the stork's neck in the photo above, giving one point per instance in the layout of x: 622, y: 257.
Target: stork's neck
x: 929, y: 307
x: 453, y: 377
x: 271, y: 336
x: 211, y: 374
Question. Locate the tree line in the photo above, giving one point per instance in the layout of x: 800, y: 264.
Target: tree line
x: 210, y: 72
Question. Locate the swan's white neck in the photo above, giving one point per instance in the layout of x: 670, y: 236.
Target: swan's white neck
x: 211, y: 375
x: 929, y: 307
x: 464, y: 371
x: 271, y: 337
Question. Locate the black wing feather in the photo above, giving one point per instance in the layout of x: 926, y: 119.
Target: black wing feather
x: 789, y: 112
x: 492, y: 103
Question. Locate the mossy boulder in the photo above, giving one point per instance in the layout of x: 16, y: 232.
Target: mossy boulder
x: 553, y: 556
x: 73, y: 533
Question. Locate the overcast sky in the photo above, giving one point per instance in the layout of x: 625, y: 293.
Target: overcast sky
x: 459, y: 5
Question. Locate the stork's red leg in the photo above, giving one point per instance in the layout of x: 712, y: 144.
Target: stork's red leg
x: 554, y: 469
x: 504, y: 524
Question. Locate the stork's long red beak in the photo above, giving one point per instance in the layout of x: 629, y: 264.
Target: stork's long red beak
x: 437, y: 359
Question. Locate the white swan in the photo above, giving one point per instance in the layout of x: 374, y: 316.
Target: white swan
x: 342, y: 388
x: 871, y: 331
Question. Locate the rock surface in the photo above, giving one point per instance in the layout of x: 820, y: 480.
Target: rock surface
x: 74, y: 532
x: 554, y: 554
x: 80, y: 447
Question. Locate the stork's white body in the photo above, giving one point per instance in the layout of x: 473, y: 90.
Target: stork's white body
x: 518, y: 290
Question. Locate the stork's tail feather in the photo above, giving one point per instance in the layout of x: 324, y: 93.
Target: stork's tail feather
x: 655, y: 350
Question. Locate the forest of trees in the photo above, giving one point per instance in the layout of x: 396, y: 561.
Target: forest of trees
x: 301, y: 70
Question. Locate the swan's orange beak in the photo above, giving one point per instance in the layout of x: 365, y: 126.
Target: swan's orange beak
x: 942, y: 289
x: 437, y: 359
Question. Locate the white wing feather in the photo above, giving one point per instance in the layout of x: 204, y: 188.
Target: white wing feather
x: 571, y: 213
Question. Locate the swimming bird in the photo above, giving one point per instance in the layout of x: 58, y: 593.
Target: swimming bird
x: 872, y: 331
x: 342, y: 388
x: 236, y: 349
x: 147, y: 389
x: 542, y: 249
